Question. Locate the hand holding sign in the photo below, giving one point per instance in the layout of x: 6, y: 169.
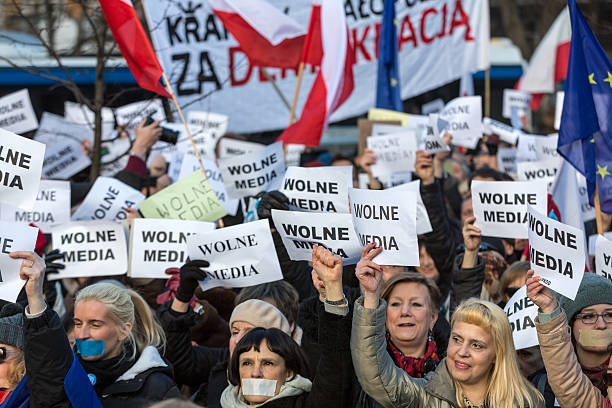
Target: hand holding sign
x: 191, y: 275
x: 540, y: 294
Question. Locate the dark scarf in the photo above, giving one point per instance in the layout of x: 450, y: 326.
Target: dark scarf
x: 106, y: 372
x: 415, y: 367
x: 596, y: 375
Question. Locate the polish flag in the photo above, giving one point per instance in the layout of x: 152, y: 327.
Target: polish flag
x: 328, y: 40
x: 548, y: 65
x: 134, y: 44
x: 267, y: 36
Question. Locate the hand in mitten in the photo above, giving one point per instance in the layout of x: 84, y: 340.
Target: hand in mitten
x: 269, y: 201
x: 190, y: 274
x: 50, y: 262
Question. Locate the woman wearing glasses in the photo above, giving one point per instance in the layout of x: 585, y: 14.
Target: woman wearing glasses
x: 576, y: 355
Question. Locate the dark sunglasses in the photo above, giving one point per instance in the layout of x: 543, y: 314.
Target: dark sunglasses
x: 4, y: 354
x: 510, y: 291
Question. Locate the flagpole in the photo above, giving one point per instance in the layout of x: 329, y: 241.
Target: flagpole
x: 276, y: 88
x: 296, y: 93
x: 598, y: 211
x: 487, y: 93
x: 178, y: 108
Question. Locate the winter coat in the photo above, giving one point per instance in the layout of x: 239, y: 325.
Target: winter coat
x: 388, y: 384
x: 467, y: 283
x: 48, y: 359
x: 571, y: 387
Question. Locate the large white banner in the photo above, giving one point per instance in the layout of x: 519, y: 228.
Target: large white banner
x: 15, y: 237
x: 16, y: 112
x: 438, y: 42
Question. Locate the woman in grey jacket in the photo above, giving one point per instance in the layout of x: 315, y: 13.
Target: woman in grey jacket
x: 480, y: 369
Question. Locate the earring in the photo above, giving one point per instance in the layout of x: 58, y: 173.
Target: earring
x: 430, y: 336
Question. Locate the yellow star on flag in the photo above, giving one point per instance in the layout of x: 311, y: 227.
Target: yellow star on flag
x: 609, y: 79
x: 393, y: 82
x: 603, y: 171
x: 592, y: 140
x: 591, y: 80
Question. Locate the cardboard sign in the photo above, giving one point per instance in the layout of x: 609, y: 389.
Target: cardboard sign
x: 90, y: 248
x: 364, y: 130
x: 157, y: 244
x: 464, y: 115
x: 132, y: 114
x: 500, y: 207
x: 505, y: 132
x: 588, y: 211
x: 316, y: 189
x: 514, y: 99
x: 603, y: 257
x: 301, y: 231
x: 434, y: 106
x: 14, y: 237
x: 388, y: 115
x: 241, y: 255
x: 190, y: 164
x: 395, y: 152
x: 521, y: 312
x: 423, y: 225
x: 251, y: 173
x: 21, y: 162
x: 545, y: 170
x: 16, y: 112
x: 387, y: 218
x: 82, y: 115
x: 506, y: 160
x: 233, y: 147
x: 559, y: 108
x: 108, y: 199
x: 52, y: 207
x: 190, y: 198
x: 536, y: 147
x: 556, y: 253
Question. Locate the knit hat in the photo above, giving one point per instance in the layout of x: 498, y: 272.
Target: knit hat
x: 593, y: 290
x: 260, y: 314
x: 11, y: 325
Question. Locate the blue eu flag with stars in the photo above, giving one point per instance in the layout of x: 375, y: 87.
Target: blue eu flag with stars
x: 585, y: 134
x: 388, y: 84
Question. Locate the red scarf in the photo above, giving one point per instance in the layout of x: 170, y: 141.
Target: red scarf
x: 415, y: 366
x: 596, y: 375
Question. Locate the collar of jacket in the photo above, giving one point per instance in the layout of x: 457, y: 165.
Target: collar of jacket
x: 134, y: 378
x: 441, y: 385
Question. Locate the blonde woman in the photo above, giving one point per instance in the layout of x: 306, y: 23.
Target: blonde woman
x: 480, y: 369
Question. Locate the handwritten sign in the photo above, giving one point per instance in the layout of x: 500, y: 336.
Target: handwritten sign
x: 108, y: 199
x: 521, y: 312
x: 13, y: 237
x: 16, y: 112
x: 316, y: 189
x: 464, y: 115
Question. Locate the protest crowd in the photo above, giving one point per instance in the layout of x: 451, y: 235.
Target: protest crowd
x: 452, y: 261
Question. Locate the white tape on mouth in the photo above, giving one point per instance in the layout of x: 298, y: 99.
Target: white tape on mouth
x: 258, y: 386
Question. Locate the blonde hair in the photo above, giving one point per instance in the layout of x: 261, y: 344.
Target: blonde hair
x: 16, y: 369
x: 127, y: 306
x: 506, y: 386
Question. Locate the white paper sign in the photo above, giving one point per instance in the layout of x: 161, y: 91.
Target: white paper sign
x: 593, y: 240
x: 214, y: 123
x: 506, y: 160
x: 422, y: 218
x: 16, y: 112
x: 293, y: 154
x: 158, y: 244
x: 500, y: 207
x: 251, y: 173
x: 52, y: 207
x: 556, y: 253
x: 300, y: 231
x: 53, y: 126
x: 521, y: 312
x: 588, y: 211
x: 21, y: 162
x: 82, y: 115
x: 546, y: 170
x: 387, y: 218
x: 603, y: 257
x: 434, y: 106
x: 464, y: 115
x: 395, y: 152
x: 559, y: 108
x: 132, y: 114
x: 14, y: 237
x: 190, y: 163
x: 90, y: 248
x: 514, y: 99
x: 429, y: 140
x: 505, y: 132
x: 233, y: 147
x: 239, y: 256
x: 316, y: 189
x: 535, y: 147
x: 108, y: 199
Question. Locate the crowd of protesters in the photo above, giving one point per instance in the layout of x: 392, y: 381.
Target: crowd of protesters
x: 327, y: 335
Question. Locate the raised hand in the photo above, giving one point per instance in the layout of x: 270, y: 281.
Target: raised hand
x: 190, y: 276
x: 423, y: 167
x: 328, y: 267
x: 471, y: 235
x: 539, y: 294
x: 272, y: 200
x: 33, y: 272
x: 369, y: 274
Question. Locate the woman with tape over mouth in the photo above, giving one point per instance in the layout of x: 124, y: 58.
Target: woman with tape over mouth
x: 575, y: 339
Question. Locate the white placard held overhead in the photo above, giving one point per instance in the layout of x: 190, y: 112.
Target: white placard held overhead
x: 500, y: 207
x: 545, y: 170
x: 21, y: 161
x: 108, y: 199
x: 293, y: 154
x: 387, y: 218
x: 588, y: 211
x: 464, y: 115
x: 300, y: 231
x: 395, y: 152
x: 428, y: 139
x: 214, y: 123
x: 316, y: 189
x: 556, y: 253
x: 506, y: 160
x: 158, y: 244
x: 90, y: 248
x: 251, y: 173
x: 603, y: 257
x: 132, y: 114
x: 16, y: 112
x: 239, y: 256
x: 379, y: 129
x: 55, y: 127
x: 422, y: 218
x: 52, y: 207
x: 559, y: 108
x: 82, y: 115
x: 505, y: 132
x: 593, y: 241
x: 117, y: 155
x: 535, y: 147
x: 233, y: 147
x: 514, y: 99
x: 14, y: 237
x: 434, y: 106
x: 521, y: 312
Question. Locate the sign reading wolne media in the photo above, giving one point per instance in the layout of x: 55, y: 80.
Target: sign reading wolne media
x: 239, y: 256
x: 316, y: 189
x: 521, y: 312
x: 16, y: 112
x: 464, y: 115
x: 108, y: 199
x: 603, y: 257
x: 13, y: 237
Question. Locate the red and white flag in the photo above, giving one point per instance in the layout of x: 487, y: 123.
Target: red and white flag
x: 267, y: 36
x: 328, y: 40
x: 548, y: 64
x: 134, y: 44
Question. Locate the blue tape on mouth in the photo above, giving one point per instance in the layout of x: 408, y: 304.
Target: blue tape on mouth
x: 90, y: 348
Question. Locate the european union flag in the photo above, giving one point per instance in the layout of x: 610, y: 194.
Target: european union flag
x: 389, y: 86
x: 585, y: 135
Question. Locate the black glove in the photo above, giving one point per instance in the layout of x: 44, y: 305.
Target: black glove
x: 50, y: 265
x: 269, y: 201
x: 191, y: 274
